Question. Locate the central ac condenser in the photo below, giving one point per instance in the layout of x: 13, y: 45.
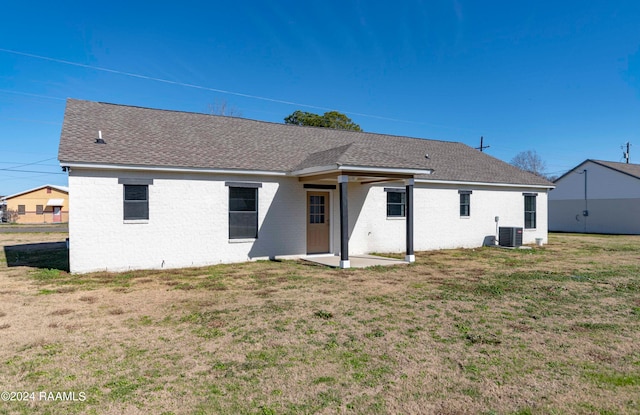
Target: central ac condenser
x: 509, y: 236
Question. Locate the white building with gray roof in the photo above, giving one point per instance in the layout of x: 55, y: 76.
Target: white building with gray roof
x: 154, y: 188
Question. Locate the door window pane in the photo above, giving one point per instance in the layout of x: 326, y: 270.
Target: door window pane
x: 316, y: 209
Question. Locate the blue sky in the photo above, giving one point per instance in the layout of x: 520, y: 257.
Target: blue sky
x: 558, y: 77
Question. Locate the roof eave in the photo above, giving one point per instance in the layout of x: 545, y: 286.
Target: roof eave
x: 204, y: 170
x: 487, y: 184
x: 346, y: 169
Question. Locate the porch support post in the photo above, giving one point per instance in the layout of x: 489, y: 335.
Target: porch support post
x: 410, y: 257
x: 344, y: 222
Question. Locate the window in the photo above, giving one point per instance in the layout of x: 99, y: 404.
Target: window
x: 530, y: 210
x: 465, y: 202
x: 39, y: 210
x: 21, y: 210
x: 243, y: 212
x: 396, y: 204
x: 316, y: 209
x: 48, y: 190
x: 136, y: 202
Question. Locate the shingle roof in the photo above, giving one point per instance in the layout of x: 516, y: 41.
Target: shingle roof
x: 630, y: 169
x: 161, y: 138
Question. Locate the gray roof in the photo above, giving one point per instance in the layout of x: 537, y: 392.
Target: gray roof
x: 629, y: 169
x: 632, y: 170
x: 137, y: 136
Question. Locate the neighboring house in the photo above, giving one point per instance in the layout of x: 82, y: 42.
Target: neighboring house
x: 44, y: 204
x: 155, y: 188
x: 597, y: 197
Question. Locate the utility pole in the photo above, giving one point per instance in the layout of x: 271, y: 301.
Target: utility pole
x: 482, y: 147
x: 626, y: 153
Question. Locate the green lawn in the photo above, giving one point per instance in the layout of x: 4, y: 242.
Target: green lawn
x: 552, y: 330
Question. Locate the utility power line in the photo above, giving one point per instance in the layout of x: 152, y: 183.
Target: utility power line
x: 205, y: 88
x: 30, y: 171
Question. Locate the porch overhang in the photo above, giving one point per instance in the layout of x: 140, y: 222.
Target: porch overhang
x: 344, y: 175
x: 55, y: 202
x: 362, y: 174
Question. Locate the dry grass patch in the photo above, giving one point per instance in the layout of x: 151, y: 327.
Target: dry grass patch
x: 88, y: 299
x: 488, y: 331
x: 61, y: 312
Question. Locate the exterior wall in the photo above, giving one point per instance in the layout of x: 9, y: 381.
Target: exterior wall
x: 188, y: 220
x: 39, y: 197
x: 187, y: 226
x: 612, y: 202
x: 437, y: 220
x: 612, y: 216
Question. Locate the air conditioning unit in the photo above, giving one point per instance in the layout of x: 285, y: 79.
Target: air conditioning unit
x: 509, y: 236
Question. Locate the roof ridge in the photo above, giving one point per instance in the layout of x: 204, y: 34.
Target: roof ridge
x: 340, y: 131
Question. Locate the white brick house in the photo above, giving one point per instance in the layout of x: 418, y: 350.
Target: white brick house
x: 168, y: 189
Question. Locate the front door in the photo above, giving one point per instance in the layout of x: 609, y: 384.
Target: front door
x: 317, y: 222
x: 57, y: 217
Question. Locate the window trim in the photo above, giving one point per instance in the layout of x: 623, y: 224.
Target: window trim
x: 134, y: 181
x: 243, y: 185
x: 250, y: 185
x: 403, y: 202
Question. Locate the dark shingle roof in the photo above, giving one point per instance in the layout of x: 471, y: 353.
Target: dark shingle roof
x: 160, y: 138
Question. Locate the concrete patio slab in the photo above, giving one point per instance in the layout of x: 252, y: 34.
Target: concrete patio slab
x: 357, y: 261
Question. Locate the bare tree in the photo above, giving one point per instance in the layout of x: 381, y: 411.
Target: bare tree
x: 530, y: 161
x: 10, y: 215
x: 224, y: 108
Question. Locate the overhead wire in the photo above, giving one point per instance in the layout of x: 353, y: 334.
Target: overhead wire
x: 205, y: 88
